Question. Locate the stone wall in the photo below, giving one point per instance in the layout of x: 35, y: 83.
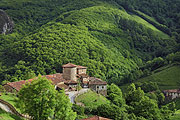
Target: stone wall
x: 81, y: 71
x: 69, y: 73
x: 100, y: 89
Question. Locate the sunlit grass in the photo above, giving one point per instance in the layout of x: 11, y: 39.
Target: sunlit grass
x: 91, y: 99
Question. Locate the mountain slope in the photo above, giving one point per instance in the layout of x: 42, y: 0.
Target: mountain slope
x: 167, y: 77
x: 98, y: 34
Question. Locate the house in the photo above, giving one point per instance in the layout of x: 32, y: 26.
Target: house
x: 77, y: 73
x: 15, y: 86
x: 61, y: 86
x: 98, y: 85
x: 69, y: 79
x: 172, y: 94
x: 96, y: 118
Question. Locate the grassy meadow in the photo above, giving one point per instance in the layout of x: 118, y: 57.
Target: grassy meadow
x: 8, y: 116
x: 91, y: 99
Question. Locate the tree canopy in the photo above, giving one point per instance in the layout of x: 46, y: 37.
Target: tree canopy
x: 40, y: 100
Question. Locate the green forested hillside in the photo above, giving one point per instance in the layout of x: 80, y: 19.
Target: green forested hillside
x: 106, y: 36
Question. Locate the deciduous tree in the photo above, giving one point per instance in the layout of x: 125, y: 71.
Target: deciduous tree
x: 40, y: 100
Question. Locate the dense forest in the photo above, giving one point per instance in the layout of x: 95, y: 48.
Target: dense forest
x: 114, y: 39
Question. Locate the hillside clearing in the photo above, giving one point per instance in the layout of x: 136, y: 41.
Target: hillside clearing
x: 91, y: 99
x: 167, y: 77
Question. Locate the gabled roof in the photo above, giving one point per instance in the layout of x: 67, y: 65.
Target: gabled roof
x: 55, y: 78
x: 96, y: 118
x: 172, y: 91
x: 96, y: 81
x: 69, y: 65
x: 62, y: 85
x: 81, y: 67
x: 18, y: 85
x: 83, y: 75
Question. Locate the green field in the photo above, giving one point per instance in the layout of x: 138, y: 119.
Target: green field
x: 176, y: 116
x: 91, y: 99
x: 167, y: 77
x: 8, y: 116
x: 10, y: 98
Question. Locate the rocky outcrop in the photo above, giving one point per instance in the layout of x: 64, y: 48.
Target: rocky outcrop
x: 6, y: 24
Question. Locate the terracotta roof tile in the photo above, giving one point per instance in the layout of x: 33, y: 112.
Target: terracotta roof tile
x: 81, y: 67
x: 55, y: 78
x: 172, y: 91
x: 96, y: 118
x: 69, y: 65
x: 18, y: 85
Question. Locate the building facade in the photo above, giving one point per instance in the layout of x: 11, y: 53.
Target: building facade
x: 69, y: 79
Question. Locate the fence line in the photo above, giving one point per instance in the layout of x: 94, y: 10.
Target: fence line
x: 13, y: 109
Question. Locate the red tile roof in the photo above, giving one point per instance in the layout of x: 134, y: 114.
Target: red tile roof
x: 18, y: 85
x: 96, y: 81
x: 96, y: 118
x: 172, y: 91
x: 81, y: 67
x: 55, y: 78
x: 69, y: 65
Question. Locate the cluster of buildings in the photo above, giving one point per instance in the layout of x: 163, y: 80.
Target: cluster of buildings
x: 172, y: 94
x: 72, y: 76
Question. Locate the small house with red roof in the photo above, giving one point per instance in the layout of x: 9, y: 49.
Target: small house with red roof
x: 71, y: 76
x: 172, y: 94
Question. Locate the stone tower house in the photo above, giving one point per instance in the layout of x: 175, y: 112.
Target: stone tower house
x: 69, y: 71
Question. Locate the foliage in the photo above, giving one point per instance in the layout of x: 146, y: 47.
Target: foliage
x: 112, y: 111
x: 8, y: 116
x: 99, y: 34
x: 141, y: 105
x: 12, y: 99
x: 40, y: 100
x: 176, y: 116
x: 78, y: 109
x: 115, y: 95
x: 2, y: 89
x: 166, y: 77
x: 147, y: 86
x: 63, y: 108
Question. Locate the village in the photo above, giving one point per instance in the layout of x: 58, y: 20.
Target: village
x: 73, y: 76
x: 70, y: 80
